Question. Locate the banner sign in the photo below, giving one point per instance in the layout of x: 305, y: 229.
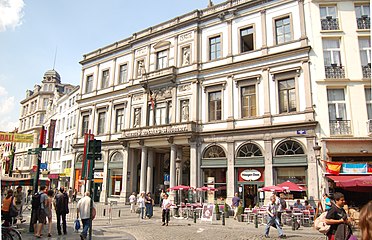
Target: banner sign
x: 354, y: 168
x: 52, y: 128
x: 333, y: 167
x: 16, y: 137
x: 207, y: 212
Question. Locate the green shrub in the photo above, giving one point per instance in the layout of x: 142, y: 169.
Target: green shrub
x: 216, y: 208
x: 226, y: 207
x: 240, y: 210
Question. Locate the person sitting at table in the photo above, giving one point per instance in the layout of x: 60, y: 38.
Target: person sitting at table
x: 307, y: 205
x: 298, y: 204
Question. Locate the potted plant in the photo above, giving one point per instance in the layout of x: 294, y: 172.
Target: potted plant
x: 226, y: 210
x: 239, y: 213
x: 217, y: 212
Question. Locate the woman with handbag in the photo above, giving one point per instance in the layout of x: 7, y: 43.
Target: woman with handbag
x: 8, y: 210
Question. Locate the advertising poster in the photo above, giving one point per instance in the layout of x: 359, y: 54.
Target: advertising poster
x: 207, y: 213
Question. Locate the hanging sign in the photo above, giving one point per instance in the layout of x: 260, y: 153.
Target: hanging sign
x: 250, y: 175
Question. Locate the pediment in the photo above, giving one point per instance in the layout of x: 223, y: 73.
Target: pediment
x: 162, y: 44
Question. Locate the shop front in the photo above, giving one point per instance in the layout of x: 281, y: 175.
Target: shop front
x: 249, y: 181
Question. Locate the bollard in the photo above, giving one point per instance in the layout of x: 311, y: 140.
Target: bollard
x: 223, y: 218
x: 194, y: 216
x: 255, y: 221
x: 119, y: 212
x: 104, y: 212
x: 293, y: 223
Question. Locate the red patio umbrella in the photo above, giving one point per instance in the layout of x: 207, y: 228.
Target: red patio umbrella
x: 360, y: 184
x: 292, y: 187
x: 271, y: 189
x: 180, y: 187
x: 204, y: 188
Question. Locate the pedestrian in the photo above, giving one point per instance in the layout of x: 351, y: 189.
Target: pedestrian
x: 282, y: 207
x: 70, y: 194
x: 165, y: 210
x: 328, y: 202
x: 235, y: 204
x: 132, y: 201
x: 83, y: 208
x: 61, y: 206
x: 161, y: 197
x: 149, y: 202
x: 19, y: 197
x: 272, y: 218
x: 141, y: 204
x: 338, y: 219
x: 38, y: 217
x: 48, y: 210
x: 74, y: 196
x: 5, y: 208
x: 365, y: 221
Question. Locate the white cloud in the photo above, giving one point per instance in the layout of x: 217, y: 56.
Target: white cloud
x: 11, y: 13
x: 7, y: 110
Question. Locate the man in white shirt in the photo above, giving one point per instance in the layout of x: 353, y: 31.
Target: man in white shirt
x: 272, y: 217
x: 83, y: 207
x: 132, y: 200
x: 165, y: 207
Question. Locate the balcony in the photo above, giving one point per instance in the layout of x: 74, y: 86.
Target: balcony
x: 366, y: 71
x: 364, y: 22
x: 329, y: 23
x: 340, y: 127
x: 334, y: 71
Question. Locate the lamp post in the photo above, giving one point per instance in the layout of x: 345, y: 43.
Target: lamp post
x: 178, y: 162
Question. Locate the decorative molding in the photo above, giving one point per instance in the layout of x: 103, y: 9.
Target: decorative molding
x: 222, y: 83
x: 184, y: 87
x: 185, y: 37
x: 170, y: 140
x: 285, y: 73
x: 162, y: 93
x: 162, y: 44
x: 137, y: 97
x: 141, y: 51
x: 257, y: 78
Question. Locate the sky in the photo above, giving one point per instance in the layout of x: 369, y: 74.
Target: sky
x: 37, y: 35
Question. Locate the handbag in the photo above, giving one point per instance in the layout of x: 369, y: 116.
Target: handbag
x: 77, y: 225
x: 13, y: 211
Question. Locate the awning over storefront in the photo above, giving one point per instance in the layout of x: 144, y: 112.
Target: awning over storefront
x: 356, y: 183
x: 9, y: 181
x: 341, y: 178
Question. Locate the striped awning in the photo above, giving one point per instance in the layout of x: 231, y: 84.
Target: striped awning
x: 9, y: 181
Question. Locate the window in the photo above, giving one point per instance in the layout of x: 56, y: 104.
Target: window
x: 214, y: 151
x: 162, y: 59
x: 283, y: 30
x: 287, y: 96
x: 249, y: 150
x: 328, y: 18
x: 123, y: 73
x: 289, y: 147
x: 119, y: 120
x: 365, y: 56
x: 105, y: 79
x: 42, y: 115
x: 336, y: 104
x: 368, y: 102
x: 101, y: 123
x: 85, y: 125
x: 246, y: 39
x: 214, y: 48
x: 331, y: 52
x: 45, y: 103
x: 215, y: 106
x: 248, y: 101
x: 163, y: 113
x: 362, y: 13
x: 89, y: 86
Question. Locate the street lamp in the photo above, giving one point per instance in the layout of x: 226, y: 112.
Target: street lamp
x: 317, y: 149
x: 178, y: 162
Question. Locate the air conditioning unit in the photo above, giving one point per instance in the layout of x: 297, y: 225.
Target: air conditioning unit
x: 369, y: 126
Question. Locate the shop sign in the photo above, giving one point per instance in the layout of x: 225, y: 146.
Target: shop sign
x: 158, y: 130
x: 250, y: 175
x: 53, y: 176
x: 98, y: 174
x: 67, y: 172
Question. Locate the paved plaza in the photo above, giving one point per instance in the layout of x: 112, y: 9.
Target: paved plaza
x: 129, y: 226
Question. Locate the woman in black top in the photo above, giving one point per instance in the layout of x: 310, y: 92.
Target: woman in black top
x: 149, y: 205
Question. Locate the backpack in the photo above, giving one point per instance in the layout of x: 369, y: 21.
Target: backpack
x: 283, y: 203
x: 62, y: 203
x: 320, y: 224
x: 36, y: 201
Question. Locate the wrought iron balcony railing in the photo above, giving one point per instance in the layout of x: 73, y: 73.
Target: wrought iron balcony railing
x: 329, y: 23
x: 340, y: 127
x: 366, y: 71
x: 364, y: 22
x: 334, y: 71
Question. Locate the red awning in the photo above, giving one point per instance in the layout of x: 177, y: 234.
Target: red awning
x: 341, y: 178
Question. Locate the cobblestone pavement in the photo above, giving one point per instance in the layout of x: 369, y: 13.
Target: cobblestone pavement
x: 129, y: 226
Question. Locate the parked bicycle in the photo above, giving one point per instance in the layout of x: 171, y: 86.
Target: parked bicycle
x: 10, y: 233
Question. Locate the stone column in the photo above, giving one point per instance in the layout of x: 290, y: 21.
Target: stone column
x: 230, y: 178
x: 106, y: 177
x: 269, y: 181
x: 124, y: 194
x: 263, y: 29
x: 266, y: 97
x: 172, y: 168
x: 312, y: 171
x: 150, y: 165
x: 193, y: 164
x: 143, y: 169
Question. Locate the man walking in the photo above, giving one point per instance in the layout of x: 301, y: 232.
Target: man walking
x: 61, y: 206
x: 272, y: 217
x: 83, y: 207
x: 19, y: 196
x: 235, y: 204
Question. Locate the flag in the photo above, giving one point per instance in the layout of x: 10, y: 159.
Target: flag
x: 333, y: 167
x: 152, y: 100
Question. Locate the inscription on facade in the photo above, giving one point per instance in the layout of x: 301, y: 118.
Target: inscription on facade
x: 157, y: 131
x: 185, y: 36
x: 141, y: 51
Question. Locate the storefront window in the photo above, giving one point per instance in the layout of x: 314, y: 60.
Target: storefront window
x: 293, y: 174
x: 116, y: 177
x: 219, y: 176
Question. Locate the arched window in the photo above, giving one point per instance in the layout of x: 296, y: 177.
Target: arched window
x: 249, y: 150
x: 117, y: 157
x: 289, y: 148
x: 214, y: 151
